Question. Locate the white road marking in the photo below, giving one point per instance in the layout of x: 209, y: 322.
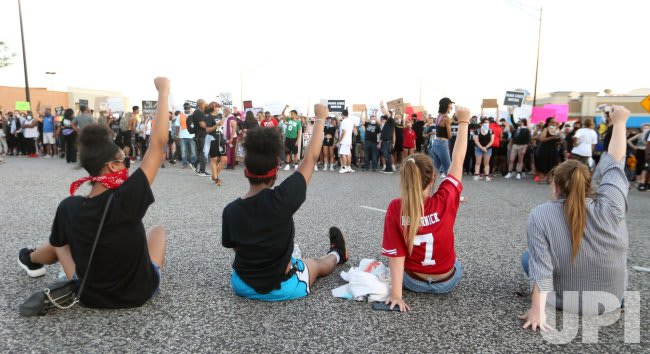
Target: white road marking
x: 641, y: 269
x: 371, y: 208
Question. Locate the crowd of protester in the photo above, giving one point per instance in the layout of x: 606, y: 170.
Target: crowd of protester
x: 576, y: 243
x: 211, y: 136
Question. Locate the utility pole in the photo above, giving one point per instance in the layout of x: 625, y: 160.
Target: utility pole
x: 539, y: 40
x: 22, y: 38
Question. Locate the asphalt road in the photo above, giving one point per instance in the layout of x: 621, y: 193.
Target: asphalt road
x: 198, y: 312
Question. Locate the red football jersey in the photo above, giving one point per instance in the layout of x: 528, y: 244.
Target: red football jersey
x: 433, y: 246
x: 270, y: 123
x: 409, y: 138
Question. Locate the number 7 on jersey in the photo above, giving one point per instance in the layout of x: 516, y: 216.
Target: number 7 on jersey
x: 427, y: 239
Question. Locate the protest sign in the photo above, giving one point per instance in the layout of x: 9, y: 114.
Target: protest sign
x: 191, y: 103
x: 561, y: 111
x: 514, y: 98
x: 540, y: 114
x: 59, y: 110
x: 248, y: 104
x: 225, y: 98
x: 115, y: 104
x: 489, y: 103
x: 83, y: 102
x: 396, y: 104
x: 336, y: 105
x: 149, y: 106
x: 22, y: 106
x: 359, y: 108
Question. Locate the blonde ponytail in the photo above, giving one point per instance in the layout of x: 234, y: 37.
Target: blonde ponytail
x: 415, y: 175
x: 573, y: 181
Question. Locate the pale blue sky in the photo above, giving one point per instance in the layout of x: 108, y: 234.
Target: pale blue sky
x: 301, y: 51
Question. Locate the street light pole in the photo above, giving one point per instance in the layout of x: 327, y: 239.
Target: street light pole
x: 22, y: 38
x: 539, y: 40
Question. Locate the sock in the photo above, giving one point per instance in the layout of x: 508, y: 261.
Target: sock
x: 336, y: 254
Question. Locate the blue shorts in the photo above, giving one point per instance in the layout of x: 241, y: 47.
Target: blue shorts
x: 295, y: 287
x: 433, y: 287
x: 479, y: 152
x: 156, y: 268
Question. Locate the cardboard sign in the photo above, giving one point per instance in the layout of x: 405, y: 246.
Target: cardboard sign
x: 22, y: 106
x: 646, y: 104
x: 490, y: 103
x: 525, y: 111
x: 540, y: 114
x: 359, y: 108
x: 396, y: 104
x: 514, y: 98
x: 561, y: 111
x: 248, y: 104
x: 191, y: 103
x: 149, y: 106
x: 336, y: 105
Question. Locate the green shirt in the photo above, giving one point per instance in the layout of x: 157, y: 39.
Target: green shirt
x: 291, y: 128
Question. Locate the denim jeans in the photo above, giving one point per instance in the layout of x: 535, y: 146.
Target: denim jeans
x: 439, y: 151
x: 201, y: 157
x: 386, y: 149
x: 432, y: 287
x: 524, y: 261
x: 188, y: 143
x: 371, y: 152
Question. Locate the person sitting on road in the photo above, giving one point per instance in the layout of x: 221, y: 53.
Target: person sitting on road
x: 579, y: 242
x: 259, y: 226
x: 126, y: 266
x: 418, y: 228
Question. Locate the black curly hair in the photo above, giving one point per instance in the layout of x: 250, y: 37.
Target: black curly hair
x: 96, y: 148
x: 263, y: 149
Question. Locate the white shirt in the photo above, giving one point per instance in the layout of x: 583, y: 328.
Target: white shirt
x: 348, y: 126
x: 30, y: 132
x: 183, y: 133
x: 586, y: 138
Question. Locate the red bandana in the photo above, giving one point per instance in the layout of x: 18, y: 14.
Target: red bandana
x: 109, y: 180
x: 269, y: 174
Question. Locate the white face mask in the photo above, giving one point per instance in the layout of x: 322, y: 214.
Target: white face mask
x: 373, y: 121
x: 485, y: 126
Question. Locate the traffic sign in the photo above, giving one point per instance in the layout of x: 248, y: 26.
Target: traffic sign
x: 646, y: 104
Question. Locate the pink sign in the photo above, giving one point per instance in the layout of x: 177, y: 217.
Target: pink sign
x: 561, y: 111
x: 540, y: 114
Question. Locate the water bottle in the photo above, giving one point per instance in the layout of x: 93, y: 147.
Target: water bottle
x: 297, y: 254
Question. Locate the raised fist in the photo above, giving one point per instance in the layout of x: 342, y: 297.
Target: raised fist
x: 162, y: 85
x: 619, y: 114
x: 321, y: 111
x: 462, y: 114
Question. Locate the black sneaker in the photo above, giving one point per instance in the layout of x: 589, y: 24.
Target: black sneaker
x: 33, y: 270
x: 642, y: 187
x: 337, y: 243
x: 204, y: 174
x: 193, y: 168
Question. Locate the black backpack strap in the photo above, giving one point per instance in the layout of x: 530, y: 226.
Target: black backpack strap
x: 92, y: 252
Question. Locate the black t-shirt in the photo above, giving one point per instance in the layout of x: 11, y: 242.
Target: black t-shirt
x: 388, y: 129
x: 331, y: 130
x: 484, y: 140
x: 608, y: 137
x: 198, y: 116
x: 418, y: 127
x: 121, y: 274
x: 260, y: 229
x: 211, y: 121
x: 399, y: 134
x: 372, y: 130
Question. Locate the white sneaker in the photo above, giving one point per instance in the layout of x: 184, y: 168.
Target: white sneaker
x: 488, y: 178
x: 518, y: 175
x: 443, y: 176
x: 351, y: 170
x: 476, y: 177
x: 287, y: 167
x: 315, y: 167
x: 343, y: 170
x: 295, y: 167
x: 508, y: 176
x: 325, y: 167
x: 332, y: 167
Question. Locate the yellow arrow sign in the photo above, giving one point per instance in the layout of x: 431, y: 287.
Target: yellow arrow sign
x: 646, y: 104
